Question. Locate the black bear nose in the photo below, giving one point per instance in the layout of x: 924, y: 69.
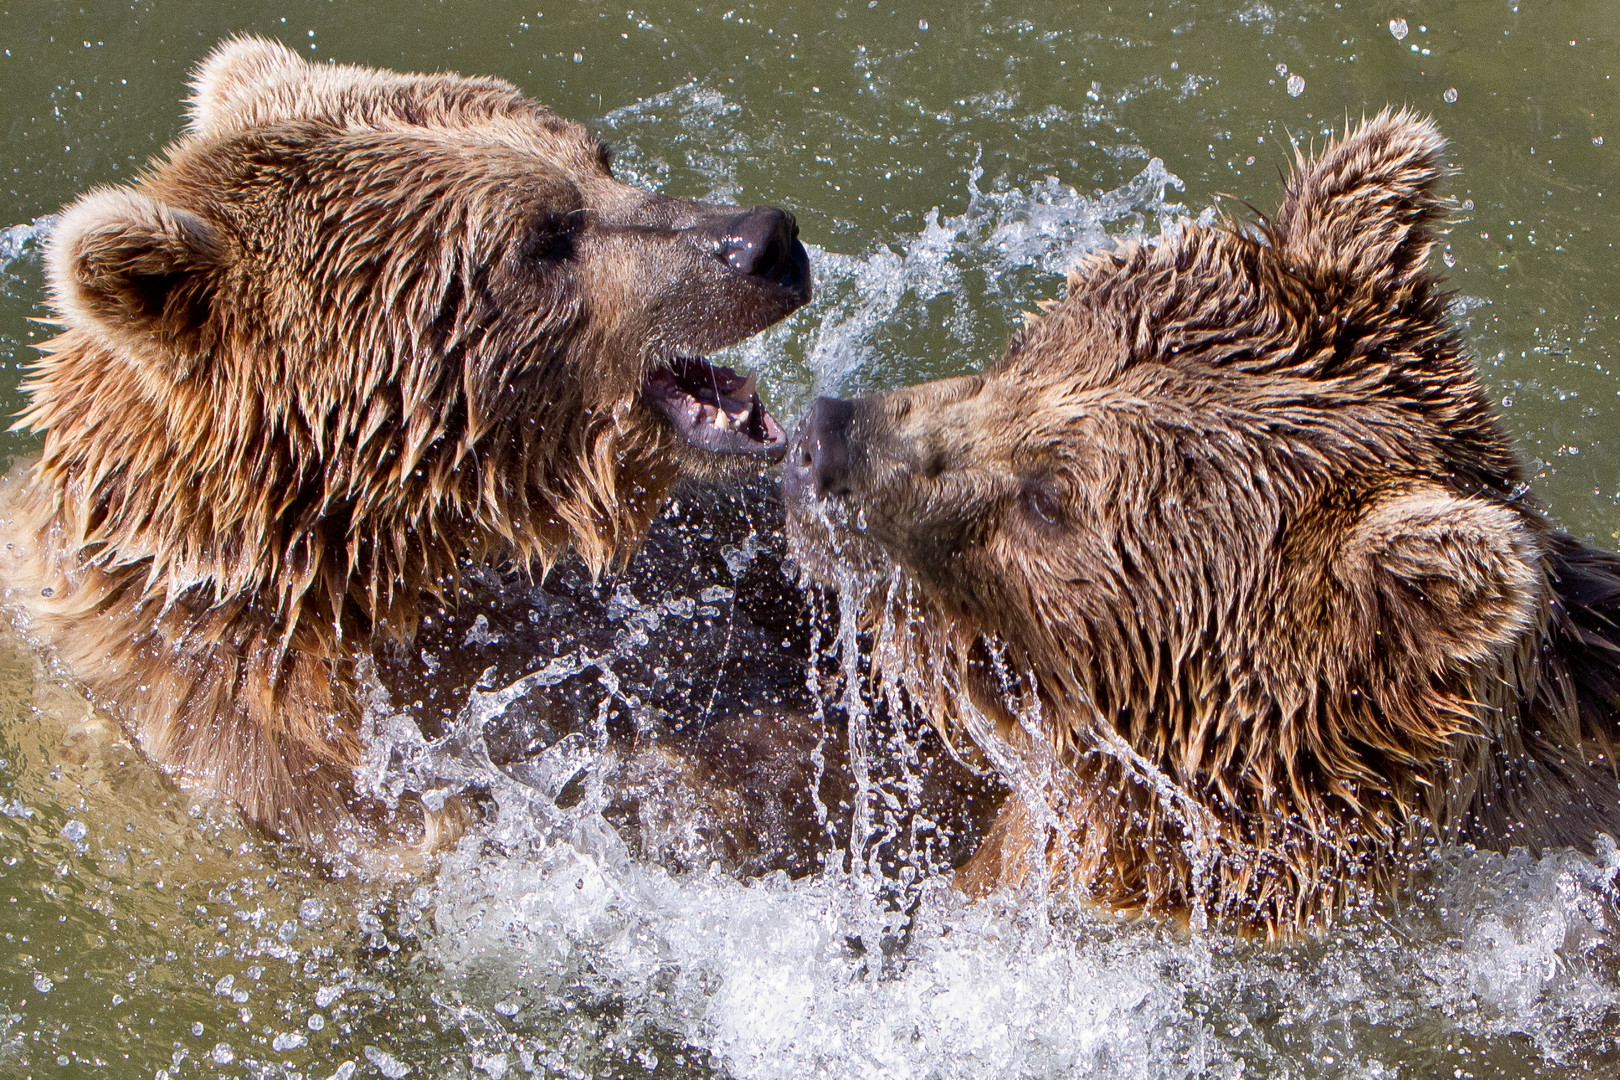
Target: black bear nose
x: 764, y: 243
x: 818, y: 460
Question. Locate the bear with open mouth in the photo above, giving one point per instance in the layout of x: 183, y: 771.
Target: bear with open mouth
x: 354, y: 332
x: 1228, y: 563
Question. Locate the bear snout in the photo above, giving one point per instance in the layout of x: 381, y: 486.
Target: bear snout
x: 817, y: 464
x: 763, y: 243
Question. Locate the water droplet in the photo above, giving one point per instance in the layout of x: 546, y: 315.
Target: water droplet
x: 74, y: 831
x: 387, y: 1064
x: 1296, y: 86
x: 922, y: 24
x: 316, y: 1022
x: 310, y: 910
x: 197, y: 1028
x: 47, y: 591
x: 288, y: 1040
x: 326, y: 995
x: 1450, y: 95
x: 1282, y: 69
x: 43, y: 984
x: 223, y: 1054
x: 1398, y: 28
x: 579, y: 58
x: 1597, y: 140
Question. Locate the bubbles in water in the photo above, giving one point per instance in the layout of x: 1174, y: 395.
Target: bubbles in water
x: 310, y: 910
x: 222, y: 1054
x: 42, y: 983
x: 1450, y: 96
x: 74, y: 831
x: 1398, y: 28
x: 1296, y: 85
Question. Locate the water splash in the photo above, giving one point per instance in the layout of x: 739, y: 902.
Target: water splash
x: 972, y: 273
x: 22, y: 241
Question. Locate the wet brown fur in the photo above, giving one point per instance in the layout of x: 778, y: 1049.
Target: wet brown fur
x: 353, y: 330
x: 1228, y: 562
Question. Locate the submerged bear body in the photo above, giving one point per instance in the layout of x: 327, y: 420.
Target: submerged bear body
x: 355, y: 333
x: 1230, y: 558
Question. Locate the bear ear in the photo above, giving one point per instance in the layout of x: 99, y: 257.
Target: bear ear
x: 1443, y: 578
x: 1364, y: 209
x: 231, y: 76
x: 134, y: 270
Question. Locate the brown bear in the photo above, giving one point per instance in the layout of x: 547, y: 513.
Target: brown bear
x: 355, y: 332
x: 1229, y: 564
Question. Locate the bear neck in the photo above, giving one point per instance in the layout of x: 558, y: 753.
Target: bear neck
x: 202, y: 506
x: 1296, y: 793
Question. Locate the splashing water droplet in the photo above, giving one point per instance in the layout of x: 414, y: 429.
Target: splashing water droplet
x: 1398, y: 28
x: 387, y: 1064
x: 1296, y: 86
x: 1450, y: 95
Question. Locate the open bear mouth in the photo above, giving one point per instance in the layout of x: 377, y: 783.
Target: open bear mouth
x: 714, y: 408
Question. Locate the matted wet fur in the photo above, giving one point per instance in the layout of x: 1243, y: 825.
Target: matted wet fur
x: 1229, y: 561
x: 355, y: 331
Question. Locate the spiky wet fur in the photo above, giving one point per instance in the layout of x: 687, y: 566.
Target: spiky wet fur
x: 1228, y: 558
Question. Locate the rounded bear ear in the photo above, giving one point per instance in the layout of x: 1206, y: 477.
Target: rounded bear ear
x: 1364, y: 209
x: 1447, y: 579
x: 229, y: 78
x: 139, y: 273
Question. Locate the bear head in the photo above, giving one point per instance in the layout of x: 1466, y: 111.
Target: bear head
x: 1236, y: 508
x: 357, y: 326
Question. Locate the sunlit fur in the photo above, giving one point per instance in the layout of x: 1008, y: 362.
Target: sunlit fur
x: 354, y: 328
x: 1230, y: 543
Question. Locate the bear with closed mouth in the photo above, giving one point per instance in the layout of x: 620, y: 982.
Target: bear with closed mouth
x: 1228, y: 563
x: 354, y: 332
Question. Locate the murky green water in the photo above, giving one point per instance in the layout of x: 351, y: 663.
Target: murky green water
x: 945, y: 163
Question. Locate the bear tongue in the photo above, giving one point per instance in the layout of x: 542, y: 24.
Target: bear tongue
x: 715, y: 409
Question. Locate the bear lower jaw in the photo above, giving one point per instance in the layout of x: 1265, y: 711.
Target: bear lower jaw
x: 714, y: 409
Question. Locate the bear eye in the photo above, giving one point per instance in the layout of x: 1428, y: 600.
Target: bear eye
x: 1043, y: 501
x: 553, y: 236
